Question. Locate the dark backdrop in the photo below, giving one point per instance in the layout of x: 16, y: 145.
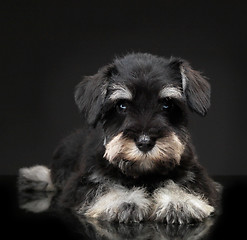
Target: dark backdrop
x: 46, y: 47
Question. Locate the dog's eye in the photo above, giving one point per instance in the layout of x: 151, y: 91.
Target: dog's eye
x: 122, y: 106
x: 166, y: 104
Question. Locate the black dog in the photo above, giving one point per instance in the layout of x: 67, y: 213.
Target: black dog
x: 133, y: 159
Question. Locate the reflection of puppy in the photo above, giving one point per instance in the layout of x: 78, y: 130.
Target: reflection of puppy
x: 133, y: 159
x: 90, y: 228
x: 103, y: 230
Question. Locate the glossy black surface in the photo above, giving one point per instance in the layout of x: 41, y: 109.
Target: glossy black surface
x: 19, y: 221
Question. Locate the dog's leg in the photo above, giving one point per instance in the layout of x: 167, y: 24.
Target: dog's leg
x: 173, y: 204
x: 119, y: 204
x: 36, y: 178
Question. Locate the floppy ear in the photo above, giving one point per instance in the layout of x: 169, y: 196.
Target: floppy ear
x: 90, y: 93
x: 195, y: 86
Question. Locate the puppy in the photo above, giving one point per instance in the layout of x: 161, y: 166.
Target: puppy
x: 133, y: 159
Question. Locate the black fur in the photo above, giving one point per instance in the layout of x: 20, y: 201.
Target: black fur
x: 80, y: 155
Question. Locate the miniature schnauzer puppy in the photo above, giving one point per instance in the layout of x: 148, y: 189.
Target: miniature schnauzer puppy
x: 133, y: 159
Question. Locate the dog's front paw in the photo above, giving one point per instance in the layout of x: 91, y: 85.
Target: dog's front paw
x: 126, y: 212
x: 182, y: 213
x: 130, y: 212
x: 120, y: 205
x: 174, y: 205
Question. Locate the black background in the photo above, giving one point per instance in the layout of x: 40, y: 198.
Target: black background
x: 46, y: 48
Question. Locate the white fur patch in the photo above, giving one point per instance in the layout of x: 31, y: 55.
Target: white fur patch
x: 120, y: 92
x: 184, y: 78
x: 37, y: 174
x: 172, y: 197
x: 165, y: 149
x: 109, y: 205
x: 170, y: 92
x: 114, y: 147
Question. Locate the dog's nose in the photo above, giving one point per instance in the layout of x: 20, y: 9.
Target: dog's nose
x: 145, y: 143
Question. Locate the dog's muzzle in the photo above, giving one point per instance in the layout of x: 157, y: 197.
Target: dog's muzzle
x: 144, y: 153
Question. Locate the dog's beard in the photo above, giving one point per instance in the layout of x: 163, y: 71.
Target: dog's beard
x: 123, y: 153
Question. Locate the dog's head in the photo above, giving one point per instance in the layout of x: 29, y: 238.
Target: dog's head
x: 141, y: 101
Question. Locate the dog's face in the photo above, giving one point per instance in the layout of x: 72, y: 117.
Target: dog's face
x: 141, y: 101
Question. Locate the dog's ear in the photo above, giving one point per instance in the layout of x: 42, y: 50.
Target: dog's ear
x: 195, y: 86
x: 91, y: 91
